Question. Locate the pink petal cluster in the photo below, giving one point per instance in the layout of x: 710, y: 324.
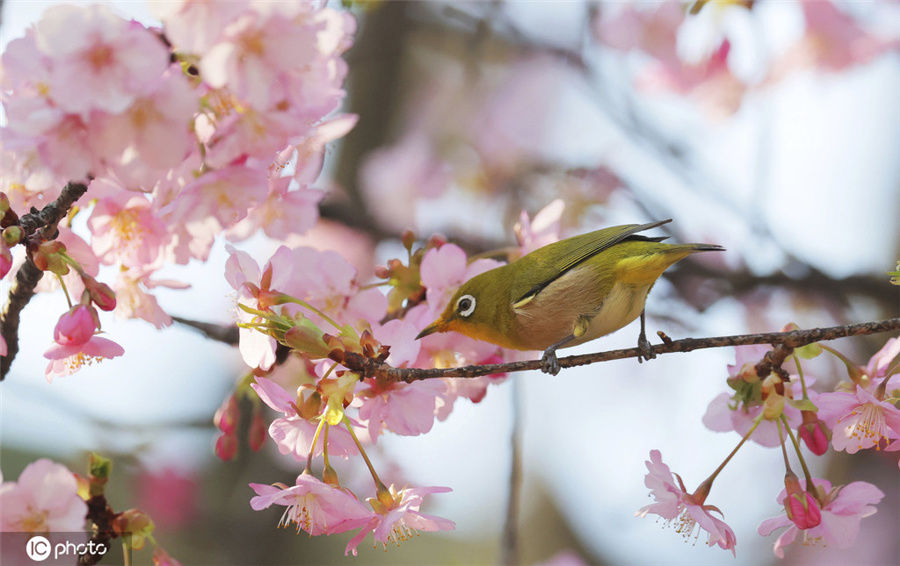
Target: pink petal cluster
x: 678, y: 507
x: 313, y: 506
x: 840, y: 517
x: 44, y: 499
x: 294, y: 434
x: 402, y: 520
x: 177, y: 154
x: 858, y: 420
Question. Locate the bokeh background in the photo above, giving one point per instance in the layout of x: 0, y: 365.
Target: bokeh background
x: 772, y: 129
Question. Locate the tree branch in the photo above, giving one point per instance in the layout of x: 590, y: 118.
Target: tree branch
x: 370, y: 367
x: 28, y: 276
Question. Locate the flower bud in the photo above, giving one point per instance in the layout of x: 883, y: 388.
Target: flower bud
x: 408, y: 238
x: 256, y: 436
x: 12, y: 235
x: 307, y: 338
x: 436, y: 240
x: 75, y: 327
x: 801, y: 507
x: 814, y: 433
x: 6, y: 260
x: 136, y: 523
x: 101, y: 294
x: 49, y: 256
x: 382, y: 272
x: 226, y: 446
x: 227, y: 416
x: 4, y: 204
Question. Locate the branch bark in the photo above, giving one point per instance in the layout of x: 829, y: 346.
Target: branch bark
x: 28, y: 276
x: 369, y: 367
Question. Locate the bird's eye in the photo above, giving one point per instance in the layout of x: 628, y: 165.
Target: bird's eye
x: 465, y: 305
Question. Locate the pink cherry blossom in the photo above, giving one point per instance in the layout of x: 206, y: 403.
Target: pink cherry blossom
x: 653, y: 31
x: 313, y: 506
x: 111, y: 61
x: 858, y: 420
x: 134, y: 300
x: 126, y: 231
x: 532, y: 234
x: 255, y: 55
x: 881, y: 361
x: 405, y: 409
x: 75, y: 327
x: 845, y: 507
x: 675, y: 505
x: 194, y: 27
x: 44, y: 499
x: 153, y: 134
x: 294, y: 434
x: 402, y: 519
x: 282, y: 213
x: 66, y: 360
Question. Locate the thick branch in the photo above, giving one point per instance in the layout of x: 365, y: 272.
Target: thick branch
x: 28, y: 275
x: 794, y: 339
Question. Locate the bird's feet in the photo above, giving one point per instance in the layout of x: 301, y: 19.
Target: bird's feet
x: 645, y: 350
x: 549, y: 362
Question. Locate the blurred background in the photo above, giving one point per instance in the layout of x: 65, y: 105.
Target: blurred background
x: 769, y: 127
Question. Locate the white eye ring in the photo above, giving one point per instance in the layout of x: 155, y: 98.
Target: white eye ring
x: 465, y: 305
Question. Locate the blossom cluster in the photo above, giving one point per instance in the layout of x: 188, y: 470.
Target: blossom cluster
x: 214, y: 122
x: 859, y: 414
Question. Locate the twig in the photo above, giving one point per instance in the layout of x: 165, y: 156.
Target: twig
x: 101, y: 517
x: 28, y: 275
x: 509, y: 549
x: 226, y: 333
x: 369, y: 367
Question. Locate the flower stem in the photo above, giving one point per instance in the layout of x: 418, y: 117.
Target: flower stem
x: 304, y: 304
x: 787, y: 465
x: 379, y: 485
x: 64, y: 288
x: 806, y: 474
x: 713, y: 475
x: 312, y: 446
x: 802, y: 379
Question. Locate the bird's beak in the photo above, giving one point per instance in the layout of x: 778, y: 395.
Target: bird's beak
x: 437, y: 326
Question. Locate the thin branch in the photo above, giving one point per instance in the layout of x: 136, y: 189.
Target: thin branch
x: 509, y: 548
x: 369, y: 367
x: 29, y: 275
x: 226, y: 333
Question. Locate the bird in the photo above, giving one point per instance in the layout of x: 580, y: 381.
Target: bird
x: 565, y: 293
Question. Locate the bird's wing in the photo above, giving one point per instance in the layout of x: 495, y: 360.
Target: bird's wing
x: 569, y: 254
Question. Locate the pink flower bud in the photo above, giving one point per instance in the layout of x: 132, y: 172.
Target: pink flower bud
x: 816, y: 436
x: 226, y: 446
x: 803, y: 510
x: 256, y: 436
x: 101, y: 294
x: 801, y: 507
x: 75, y: 327
x: 5, y: 260
x: 227, y: 416
x: 382, y: 272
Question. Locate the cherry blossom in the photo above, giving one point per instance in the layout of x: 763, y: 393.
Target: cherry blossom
x: 76, y: 326
x: 844, y: 508
x: 66, y: 360
x: 858, y: 420
x: 44, y: 499
x: 675, y: 505
x: 399, y: 518
x: 313, y: 506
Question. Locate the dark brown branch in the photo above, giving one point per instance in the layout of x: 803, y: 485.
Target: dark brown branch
x: 29, y: 275
x: 226, y: 333
x: 371, y: 368
x: 101, y: 517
